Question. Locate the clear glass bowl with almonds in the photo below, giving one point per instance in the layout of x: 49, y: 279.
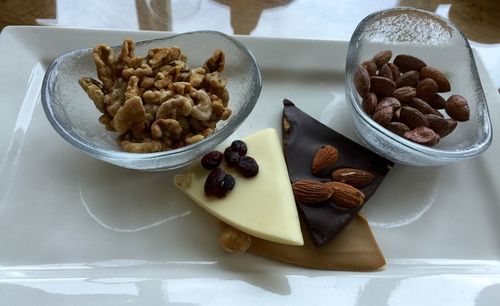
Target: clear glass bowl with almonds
x: 152, y: 105
x: 413, y: 89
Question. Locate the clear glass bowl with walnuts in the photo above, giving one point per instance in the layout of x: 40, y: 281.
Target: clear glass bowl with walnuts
x: 393, y: 118
x: 152, y: 105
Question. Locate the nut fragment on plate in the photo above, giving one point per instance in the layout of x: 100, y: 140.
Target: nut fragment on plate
x: 416, y: 92
x: 157, y: 102
x: 234, y: 241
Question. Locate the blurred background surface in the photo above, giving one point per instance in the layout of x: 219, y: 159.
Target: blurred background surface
x: 320, y: 19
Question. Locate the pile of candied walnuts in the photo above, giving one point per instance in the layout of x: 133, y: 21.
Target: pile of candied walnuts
x: 157, y: 103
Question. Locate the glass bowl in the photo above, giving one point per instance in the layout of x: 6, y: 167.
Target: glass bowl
x: 440, y: 44
x: 74, y: 116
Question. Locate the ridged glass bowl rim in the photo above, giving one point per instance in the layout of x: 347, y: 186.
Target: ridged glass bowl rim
x: 221, y: 133
x: 474, y: 150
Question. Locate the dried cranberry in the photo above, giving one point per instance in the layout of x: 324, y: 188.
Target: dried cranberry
x: 228, y: 182
x: 218, y: 183
x: 248, y: 167
x: 214, y: 179
x: 232, y: 158
x: 239, y: 146
x: 211, y: 160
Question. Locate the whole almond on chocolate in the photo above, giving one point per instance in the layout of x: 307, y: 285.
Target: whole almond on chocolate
x: 345, y: 195
x: 423, y: 135
x: 438, y: 76
x: 362, y: 81
x: 458, y: 108
x: 395, y: 71
x: 324, y: 158
x: 369, y: 103
x: 311, y: 192
x: 437, y: 102
x: 355, y: 177
x: 408, y: 62
x: 370, y: 67
x: 439, y: 125
x: 398, y: 128
x: 386, y: 72
x: 383, y: 116
x: 382, y: 86
x: 409, y: 78
x: 412, y: 117
x: 404, y: 94
x: 382, y: 57
x: 427, y: 89
x: 421, y: 106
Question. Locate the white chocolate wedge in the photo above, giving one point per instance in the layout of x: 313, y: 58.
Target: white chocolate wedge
x: 262, y: 206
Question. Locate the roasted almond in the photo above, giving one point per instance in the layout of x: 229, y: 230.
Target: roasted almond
x: 423, y: 135
x: 345, y: 195
x: 383, y: 57
x: 412, y: 117
x: 355, y: 177
x: 404, y: 94
x: 407, y: 62
x: 324, y: 158
x: 370, y: 67
x: 395, y: 71
x: 436, y: 75
x: 382, y: 86
x: 362, y: 81
x: 383, y: 116
x: 388, y: 101
x: 398, y: 128
x: 369, y: 103
x: 409, y: 78
x: 427, y: 89
x: 311, y: 192
x: 458, y: 108
x: 439, y: 125
x: 421, y: 106
x: 386, y: 72
x: 437, y: 102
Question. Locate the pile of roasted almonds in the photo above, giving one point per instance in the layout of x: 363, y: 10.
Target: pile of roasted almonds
x: 403, y: 96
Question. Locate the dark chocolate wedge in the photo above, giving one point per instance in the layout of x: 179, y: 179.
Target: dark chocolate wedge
x: 302, y: 137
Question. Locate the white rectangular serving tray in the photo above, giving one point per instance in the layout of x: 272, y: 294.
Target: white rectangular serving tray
x: 74, y: 230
